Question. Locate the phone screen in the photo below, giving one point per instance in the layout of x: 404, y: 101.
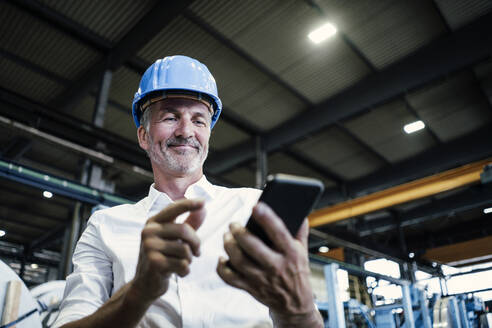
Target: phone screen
x: 292, y: 198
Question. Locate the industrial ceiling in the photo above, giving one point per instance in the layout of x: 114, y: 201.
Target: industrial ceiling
x: 334, y: 111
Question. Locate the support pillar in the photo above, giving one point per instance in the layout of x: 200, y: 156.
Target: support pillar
x: 73, y: 233
x: 336, y: 315
x: 66, y: 254
x: 25, y: 254
x: 407, y: 307
x: 261, y: 163
x: 424, y: 309
x: 95, y: 173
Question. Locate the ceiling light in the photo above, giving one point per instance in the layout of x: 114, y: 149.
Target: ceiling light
x: 413, y: 127
x: 323, y: 249
x: 487, y: 210
x: 2, y: 233
x: 434, y: 264
x: 322, y: 33
x: 411, y: 255
x: 34, y: 266
x: 47, y: 194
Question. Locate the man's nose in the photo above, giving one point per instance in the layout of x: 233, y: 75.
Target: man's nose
x: 184, y: 129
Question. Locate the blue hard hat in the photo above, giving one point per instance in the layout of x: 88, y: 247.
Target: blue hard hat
x: 175, y: 75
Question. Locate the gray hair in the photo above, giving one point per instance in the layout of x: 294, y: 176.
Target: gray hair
x: 145, y: 119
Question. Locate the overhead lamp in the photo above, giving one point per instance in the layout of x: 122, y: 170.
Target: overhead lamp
x: 411, y: 255
x: 323, y: 249
x: 322, y: 33
x: 34, y: 266
x: 487, y: 210
x: 414, y: 127
x: 47, y: 194
x: 2, y: 233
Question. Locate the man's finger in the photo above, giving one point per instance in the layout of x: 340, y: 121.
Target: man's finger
x: 196, y: 218
x: 273, y: 226
x: 303, y: 233
x: 253, y: 246
x: 239, y: 260
x: 173, y: 231
x: 169, y: 265
x: 232, y: 278
x: 184, y: 233
x: 175, y: 209
x: 172, y: 248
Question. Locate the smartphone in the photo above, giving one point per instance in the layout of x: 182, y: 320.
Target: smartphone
x: 292, y: 198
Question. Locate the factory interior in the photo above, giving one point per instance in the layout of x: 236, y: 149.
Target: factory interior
x: 387, y: 102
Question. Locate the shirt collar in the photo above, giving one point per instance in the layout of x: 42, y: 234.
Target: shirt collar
x: 158, y: 200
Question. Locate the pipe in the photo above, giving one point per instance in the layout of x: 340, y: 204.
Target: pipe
x: 67, y: 188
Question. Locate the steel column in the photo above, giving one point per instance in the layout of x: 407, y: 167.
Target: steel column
x: 336, y: 315
x: 407, y: 306
x: 424, y: 309
x: 261, y: 163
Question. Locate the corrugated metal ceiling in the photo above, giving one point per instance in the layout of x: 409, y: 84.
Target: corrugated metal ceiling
x: 276, y: 35
x: 124, y: 84
x: 382, y: 129
x: 23, y: 81
x: 33, y: 40
x: 339, y: 153
x: 111, y: 19
x: 457, y: 12
x: 396, y: 30
x: 452, y: 107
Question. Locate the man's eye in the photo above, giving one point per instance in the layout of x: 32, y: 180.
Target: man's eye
x: 201, y: 123
x: 170, y: 119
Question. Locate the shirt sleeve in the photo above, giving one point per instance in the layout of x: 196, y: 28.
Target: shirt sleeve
x: 90, y: 285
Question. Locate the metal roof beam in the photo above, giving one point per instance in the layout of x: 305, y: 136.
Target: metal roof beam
x: 445, y: 181
x: 52, y: 121
x: 149, y: 26
x: 48, y: 238
x: 468, y: 230
x: 470, y: 198
x: 469, y: 148
x: 450, y: 53
x: 33, y: 215
x: 16, y: 148
x: 346, y: 239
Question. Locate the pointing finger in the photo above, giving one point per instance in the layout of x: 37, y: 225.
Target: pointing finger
x: 196, y: 218
x: 172, y: 211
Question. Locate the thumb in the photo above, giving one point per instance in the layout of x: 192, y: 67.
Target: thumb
x: 196, y: 217
x: 302, y: 234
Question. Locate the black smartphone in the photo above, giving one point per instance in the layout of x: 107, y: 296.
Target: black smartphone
x: 292, y: 198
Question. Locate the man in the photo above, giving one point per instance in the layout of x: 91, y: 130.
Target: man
x: 162, y: 261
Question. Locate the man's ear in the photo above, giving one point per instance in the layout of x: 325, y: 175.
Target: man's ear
x: 143, y: 138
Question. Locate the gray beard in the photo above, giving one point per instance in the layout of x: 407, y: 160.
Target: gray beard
x: 184, y: 163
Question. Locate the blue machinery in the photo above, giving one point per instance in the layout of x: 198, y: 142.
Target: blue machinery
x: 418, y: 312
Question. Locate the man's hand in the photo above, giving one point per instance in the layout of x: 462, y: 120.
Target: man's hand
x: 279, y: 277
x: 167, y: 247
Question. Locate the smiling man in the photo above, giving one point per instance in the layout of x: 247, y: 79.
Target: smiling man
x: 162, y: 261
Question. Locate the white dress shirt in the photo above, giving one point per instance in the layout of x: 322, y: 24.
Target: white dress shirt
x: 106, y: 257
